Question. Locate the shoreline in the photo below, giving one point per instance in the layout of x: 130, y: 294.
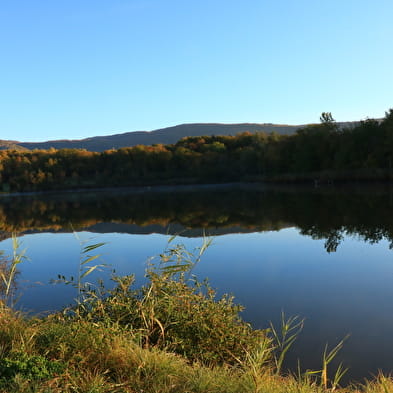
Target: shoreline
x: 196, y: 187
x: 145, y: 188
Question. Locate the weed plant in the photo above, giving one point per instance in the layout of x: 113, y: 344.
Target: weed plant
x: 8, y: 272
x: 173, y: 311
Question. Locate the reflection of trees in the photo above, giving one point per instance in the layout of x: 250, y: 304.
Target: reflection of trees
x: 322, y: 214
x: 190, y: 209
x: 333, y: 215
x: 333, y: 237
x: 365, y: 214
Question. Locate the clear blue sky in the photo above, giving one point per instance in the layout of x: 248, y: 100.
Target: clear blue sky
x: 78, y: 68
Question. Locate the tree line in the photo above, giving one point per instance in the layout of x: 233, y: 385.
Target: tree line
x: 321, y: 152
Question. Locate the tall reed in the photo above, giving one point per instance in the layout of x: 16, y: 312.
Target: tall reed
x: 10, y: 271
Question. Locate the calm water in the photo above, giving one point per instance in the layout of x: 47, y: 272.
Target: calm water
x: 321, y: 254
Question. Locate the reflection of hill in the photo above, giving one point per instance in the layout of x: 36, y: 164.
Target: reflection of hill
x: 321, y: 213
x: 173, y: 229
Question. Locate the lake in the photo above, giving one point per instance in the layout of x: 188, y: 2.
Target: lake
x: 323, y: 254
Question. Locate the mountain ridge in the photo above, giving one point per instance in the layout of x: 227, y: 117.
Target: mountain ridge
x: 167, y: 135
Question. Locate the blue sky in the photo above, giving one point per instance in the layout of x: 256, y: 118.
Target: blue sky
x: 71, y: 69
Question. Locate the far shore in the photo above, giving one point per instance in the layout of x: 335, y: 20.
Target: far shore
x: 146, y: 188
x: 196, y: 187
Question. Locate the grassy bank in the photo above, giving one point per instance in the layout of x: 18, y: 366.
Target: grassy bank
x: 171, y: 335
x: 52, y: 355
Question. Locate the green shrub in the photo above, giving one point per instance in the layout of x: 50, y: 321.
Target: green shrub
x: 174, y: 311
x: 31, y: 367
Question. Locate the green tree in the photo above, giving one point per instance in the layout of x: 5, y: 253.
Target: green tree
x: 326, y: 117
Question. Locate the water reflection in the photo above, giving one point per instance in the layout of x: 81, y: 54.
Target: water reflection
x: 328, y: 214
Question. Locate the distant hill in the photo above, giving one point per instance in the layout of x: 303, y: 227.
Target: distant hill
x: 164, y: 135
x: 11, y: 145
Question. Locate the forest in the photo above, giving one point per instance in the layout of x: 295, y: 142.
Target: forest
x: 317, y: 153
